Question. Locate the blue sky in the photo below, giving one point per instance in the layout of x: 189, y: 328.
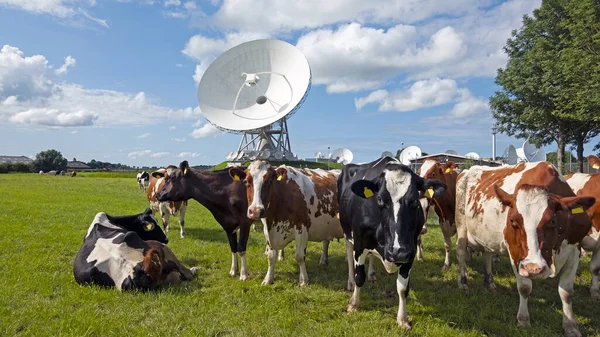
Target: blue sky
x: 116, y: 80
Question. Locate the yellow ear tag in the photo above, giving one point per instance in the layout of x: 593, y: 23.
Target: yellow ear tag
x: 596, y: 166
x: 185, y: 170
x: 149, y: 226
x: 367, y: 192
x: 429, y: 193
x: 236, y: 178
x: 279, y: 178
x: 577, y: 210
x: 448, y: 170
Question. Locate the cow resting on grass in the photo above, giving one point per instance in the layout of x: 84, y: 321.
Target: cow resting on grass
x: 530, y: 211
x: 166, y: 209
x: 127, y: 252
x: 381, y: 215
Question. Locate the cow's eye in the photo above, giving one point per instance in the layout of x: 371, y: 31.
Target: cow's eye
x: 380, y: 201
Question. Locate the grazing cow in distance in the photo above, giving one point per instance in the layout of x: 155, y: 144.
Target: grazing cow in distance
x: 223, y: 197
x: 127, y: 252
x: 294, y: 205
x: 73, y: 174
x: 143, y: 179
x: 381, y: 215
x: 589, y: 184
x: 444, y: 205
x: 531, y: 212
x: 166, y: 209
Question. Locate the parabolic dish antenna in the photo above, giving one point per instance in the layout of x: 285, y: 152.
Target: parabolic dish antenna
x: 410, y: 153
x: 343, y: 156
x: 511, y: 155
x: 520, y: 155
x: 533, y: 153
x: 318, y: 155
x: 387, y: 154
x: 451, y: 152
x: 252, y: 89
x: 472, y: 155
x: 278, y: 155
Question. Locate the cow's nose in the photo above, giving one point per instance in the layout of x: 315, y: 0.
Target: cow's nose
x: 256, y: 212
x: 531, y: 270
x: 166, y: 241
x: 400, y: 255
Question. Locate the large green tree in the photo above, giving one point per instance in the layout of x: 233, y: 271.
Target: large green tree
x: 49, y: 160
x: 550, y: 83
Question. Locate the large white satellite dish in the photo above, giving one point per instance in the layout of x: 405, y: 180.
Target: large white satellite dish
x: 520, y: 155
x: 253, y: 88
x: 318, y: 155
x: 472, y: 155
x: 533, y: 153
x: 387, y: 154
x: 451, y: 152
x: 410, y: 153
x: 343, y: 156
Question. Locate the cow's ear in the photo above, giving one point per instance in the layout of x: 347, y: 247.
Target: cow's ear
x: 184, y: 167
x: 578, y: 204
x: 158, y: 174
x: 237, y: 174
x: 364, y: 188
x: 505, y: 198
x: 433, y: 188
x: 281, y: 174
x: 594, y: 161
x: 448, y: 167
x: 148, y: 211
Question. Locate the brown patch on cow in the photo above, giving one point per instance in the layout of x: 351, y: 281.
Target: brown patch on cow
x: 592, y: 189
x: 154, y: 187
x: 325, y: 190
x: 445, y: 206
x: 286, y: 203
x: 484, y: 188
x: 152, y: 264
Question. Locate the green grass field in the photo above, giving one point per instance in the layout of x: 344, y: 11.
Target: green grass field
x: 45, y: 218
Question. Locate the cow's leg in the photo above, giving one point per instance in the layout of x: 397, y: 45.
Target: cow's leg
x: 165, y: 215
x: 280, y: 255
x: 419, y: 248
x: 182, y: 220
x: 350, y: 260
x: 402, y: 287
x: 461, y: 255
x: 488, y: 277
x: 565, y: 290
x: 270, y: 277
x: 301, y: 243
x: 232, y: 238
x: 524, y: 287
x: 244, y: 234
x: 371, y: 271
x: 595, y: 269
x: 325, y: 253
x: 447, y: 232
x: 360, y: 278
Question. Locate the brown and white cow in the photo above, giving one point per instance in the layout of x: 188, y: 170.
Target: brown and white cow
x: 589, y: 184
x: 293, y: 204
x: 531, y: 212
x: 444, y: 205
x: 166, y: 208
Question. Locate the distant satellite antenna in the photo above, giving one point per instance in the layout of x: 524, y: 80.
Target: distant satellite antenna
x: 239, y: 155
x: 520, y: 155
x: 511, y: 155
x: 278, y: 155
x: 252, y: 89
x: 318, y: 155
x: 343, y: 156
x: 472, y: 155
x: 533, y: 153
x: 387, y: 154
x: 229, y: 156
x: 410, y: 153
x: 451, y: 152
x: 264, y: 154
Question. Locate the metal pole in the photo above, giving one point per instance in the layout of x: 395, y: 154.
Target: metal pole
x: 494, y: 131
x: 328, y: 158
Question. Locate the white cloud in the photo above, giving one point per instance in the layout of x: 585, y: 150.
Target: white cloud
x: 172, y: 3
x: 469, y: 105
x: 179, y: 65
x: 74, y: 132
x: 144, y: 135
x: 43, y: 101
x: 180, y: 140
x: 172, y: 127
x: 70, y: 11
x: 188, y: 155
x: 207, y: 130
x: 69, y: 62
x: 137, y: 154
x: 190, y: 5
x: 160, y: 154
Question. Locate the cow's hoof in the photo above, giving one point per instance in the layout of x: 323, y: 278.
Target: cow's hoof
x: 573, y: 332
x: 595, y: 293
x: 523, y: 322
x: 302, y: 284
x: 420, y: 258
x: 323, y: 262
x: 445, y: 267
x: 232, y: 273
x: 194, y: 270
x: 244, y: 277
x: 350, y: 286
x: 491, y: 287
x: 266, y: 282
x: 463, y: 286
x: 351, y: 308
x: 182, y: 234
x: 405, y: 324
x: 372, y: 277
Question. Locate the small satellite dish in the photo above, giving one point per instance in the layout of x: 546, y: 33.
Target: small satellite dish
x: 410, y: 153
x: 343, y: 156
x: 533, y: 153
x: 228, y: 156
x: 511, y: 155
x: 330, y: 155
x: 264, y: 154
x: 387, y: 154
x: 240, y: 155
x: 472, y: 155
x: 318, y: 155
x: 278, y: 155
x: 252, y: 155
x: 451, y: 152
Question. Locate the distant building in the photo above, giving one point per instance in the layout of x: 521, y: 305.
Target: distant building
x: 77, y: 165
x: 15, y: 159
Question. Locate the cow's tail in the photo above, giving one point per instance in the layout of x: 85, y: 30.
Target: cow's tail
x: 152, y: 264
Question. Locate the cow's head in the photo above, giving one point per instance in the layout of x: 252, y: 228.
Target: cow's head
x: 594, y: 161
x: 258, y: 177
x: 144, y: 224
x: 433, y: 169
x: 537, y: 223
x: 177, y: 186
x: 395, y: 194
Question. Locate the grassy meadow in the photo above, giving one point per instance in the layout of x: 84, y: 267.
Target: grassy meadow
x: 45, y: 218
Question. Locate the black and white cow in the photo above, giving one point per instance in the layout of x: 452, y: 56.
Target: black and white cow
x: 127, y: 252
x: 143, y: 179
x: 380, y: 214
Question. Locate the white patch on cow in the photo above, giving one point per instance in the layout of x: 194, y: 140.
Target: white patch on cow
x: 577, y: 181
x: 427, y: 165
x: 257, y: 170
x: 397, y: 183
x: 101, y: 220
x: 531, y: 204
x: 116, y: 260
x: 390, y: 267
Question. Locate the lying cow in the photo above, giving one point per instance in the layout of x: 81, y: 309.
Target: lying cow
x: 380, y: 214
x: 224, y: 198
x: 166, y: 209
x: 444, y: 206
x: 589, y: 184
x: 301, y: 206
x: 143, y: 179
x: 530, y: 211
x: 127, y: 252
